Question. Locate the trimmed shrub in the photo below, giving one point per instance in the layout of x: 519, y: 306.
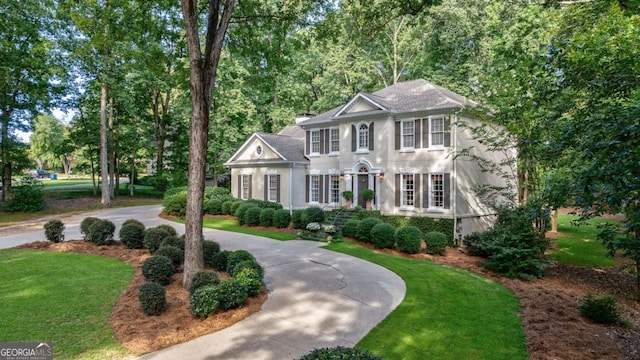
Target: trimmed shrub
x: 204, y: 301
x: 219, y: 261
x: 168, y: 228
x: 266, y: 217
x: 235, y: 257
x: 217, y: 192
x: 158, y: 269
x: 133, y: 221
x: 231, y: 294
x: 153, y: 298
x: 338, y: 353
x: 153, y: 237
x: 85, y: 227
x: 209, y: 250
x: 252, y: 216
x: 176, y: 204
x: 203, y: 278
x: 251, y: 280
x: 364, y: 228
x: 313, y: 214
x: 296, y: 219
x: 172, y: 252
x: 101, y: 232
x: 54, y: 231
x: 213, y: 207
x: 132, y: 235
x: 177, y: 241
x: 436, y: 243
x: 226, y: 207
x: 350, y: 228
x: 235, y: 205
x: 281, y: 218
x: 382, y: 235
x: 474, y: 245
x: 601, y: 310
x: 265, y: 204
x: 242, y: 209
x: 247, y: 264
x: 408, y: 239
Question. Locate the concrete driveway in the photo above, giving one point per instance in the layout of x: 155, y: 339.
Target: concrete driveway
x: 317, y: 298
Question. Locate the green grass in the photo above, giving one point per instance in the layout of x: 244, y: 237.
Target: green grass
x: 62, y: 298
x: 54, y: 183
x: 447, y: 313
x: 232, y: 225
x: 581, y: 247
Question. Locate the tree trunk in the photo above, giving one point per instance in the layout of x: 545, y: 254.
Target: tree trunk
x: 104, y: 155
x: 112, y: 153
x: 6, y: 175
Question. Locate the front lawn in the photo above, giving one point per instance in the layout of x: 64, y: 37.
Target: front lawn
x: 581, y: 246
x: 232, y: 225
x: 62, y: 298
x: 447, y: 313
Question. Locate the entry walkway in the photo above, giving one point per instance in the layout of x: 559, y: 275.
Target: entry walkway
x: 317, y: 298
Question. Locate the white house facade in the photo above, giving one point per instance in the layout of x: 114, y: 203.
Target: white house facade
x: 399, y: 142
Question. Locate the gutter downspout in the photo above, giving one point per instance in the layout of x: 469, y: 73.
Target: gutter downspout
x: 455, y: 183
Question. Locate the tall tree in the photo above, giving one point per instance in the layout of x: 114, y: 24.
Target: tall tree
x: 47, y: 136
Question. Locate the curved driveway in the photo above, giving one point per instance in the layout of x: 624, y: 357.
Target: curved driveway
x: 317, y: 298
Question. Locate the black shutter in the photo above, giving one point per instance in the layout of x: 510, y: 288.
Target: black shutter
x: 327, y: 192
x: 239, y: 186
x: 447, y: 190
x: 321, y: 189
x: 447, y: 131
x: 397, y: 135
x: 278, y: 187
x: 308, y: 143
x: 371, y: 136
x: 425, y: 191
x: 250, y: 185
x: 322, y: 148
x: 417, y: 134
x: 306, y: 187
x: 416, y: 190
x: 266, y: 188
x: 425, y: 133
x: 398, y: 186
x: 327, y: 138
x: 354, y: 138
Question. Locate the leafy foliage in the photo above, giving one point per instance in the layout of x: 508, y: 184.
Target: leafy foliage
x: 266, y: 217
x: 132, y: 235
x: 601, y: 310
x: 175, y: 204
x: 383, y: 235
x: 172, y: 252
x: 203, y: 301
x: 436, y: 243
x: 209, y: 251
x: 408, y: 239
x: 54, y: 230
x: 153, y: 238
x: 203, y: 278
x: 312, y: 214
x: 297, y: 219
x: 213, y: 207
x: 252, y: 216
x: 247, y: 264
x: 173, y: 240
x: 231, y: 293
x: 364, y: 228
x: 251, y: 280
x: 219, y: 260
x: 241, y: 210
x: 101, y: 231
x: 85, y: 227
x: 281, y: 218
x: 236, y: 257
x: 350, y: 228
x: 153, y: 298
x: 339, y: 353
x: 27, y: 197
x: 226, y: 207
x: 168, y: 228
x: 133, y: 221
x: 158, y: 269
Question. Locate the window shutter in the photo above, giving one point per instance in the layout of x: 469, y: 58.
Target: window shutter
x: 278, y: 188
x: 447, y: 190
x: 397, y: 134
x: 239, y: 186
x: 416, y: 190
x: 417, y: 134
x: 327, y: 182
x: 250, y: 186
x: 266, y: 188
x: 425, y: 191
x: 321, y: 189
x: 308, y: 142
x: 447, y: 131
x: 371, y: 136
x: 327, y: 138
x: 398, y: 186
x: 425, y: 133
x: 306, y: 193
x: 322, y: 148
x: 354, y: 138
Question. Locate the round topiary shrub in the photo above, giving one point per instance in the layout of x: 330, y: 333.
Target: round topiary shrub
x: 153, y: 238
x: 281, y: 218
x: 339, y: 352
x: 226, y: 207
x: 213, y: 207
x: 153, y: 298
x: 252, y: 216
x: 251, y: 280
x: 266, y: 217
x: 408, y: 239
x: 177, y: 241
x: 158, y: 269
x: 54, y: 231
x: 247, y: 264
x: 175, y: 204
x: 204, y: 301
x: 209, y: 250
x: 383, y: 236
x: 203, y: 278
x: 168, y: 228
x: 236, y: 257
x: 231, y: 294
x: 85, y: 227
x: 132, y: 236
x: 601, y: 310
x: 436, y: 242
x: 313, y: 214
x: 234, y: 206
x: 350, y: 228
x: 101, y: 232
x: 133, y: 221
x: 219, y: 261
x: 296, y: 219
x: 242, y: 209
x: 364, y: 228
x: 172, y: 252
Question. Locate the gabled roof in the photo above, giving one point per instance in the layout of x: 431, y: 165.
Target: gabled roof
x: 288, y: 145
x: 407, y: 96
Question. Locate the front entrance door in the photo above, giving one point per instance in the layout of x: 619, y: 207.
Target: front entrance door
x: 363, y: 184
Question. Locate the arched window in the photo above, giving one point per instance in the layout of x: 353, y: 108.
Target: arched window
x: 363, y: 137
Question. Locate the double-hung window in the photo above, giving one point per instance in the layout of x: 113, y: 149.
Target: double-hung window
x: 335, y: 189
x: 436, y: 131
x: 315, y: 141
x: 245, y: 187
x: 272, y: 192
x: 436, y: 191
x: 314, y: 188
x: 407, y: 135
x: 334, y: 134
x: 407, y: 190
x: 363, y: 137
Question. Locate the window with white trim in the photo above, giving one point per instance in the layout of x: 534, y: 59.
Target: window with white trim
x: 315, y: 141
x: 407, y: 134
x: 272, y: 193
x: 335, y: 189
x: 363, y: 137
x: 245, y: 187
x: 334, y: 134
x: 314, y: 188
x: 436, y: 191
x: 407, y: 190
x: 436, y: 131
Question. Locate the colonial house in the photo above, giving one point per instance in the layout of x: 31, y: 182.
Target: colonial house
x: 399, y: 142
